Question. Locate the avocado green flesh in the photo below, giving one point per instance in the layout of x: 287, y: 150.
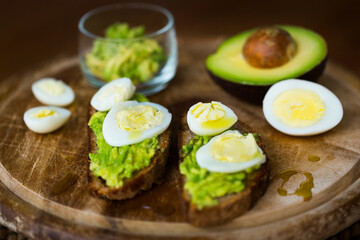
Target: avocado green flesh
x: 228, y: 62
x: 206, y: 187
x: 116, y: 56
x: 116, y: 164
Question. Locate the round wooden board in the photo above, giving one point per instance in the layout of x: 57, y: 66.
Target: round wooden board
x: 31, y: 165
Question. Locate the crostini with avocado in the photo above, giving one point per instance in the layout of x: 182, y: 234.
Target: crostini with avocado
x: 216, y: 196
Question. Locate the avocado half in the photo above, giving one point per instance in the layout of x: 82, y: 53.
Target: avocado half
x: 230, y: 70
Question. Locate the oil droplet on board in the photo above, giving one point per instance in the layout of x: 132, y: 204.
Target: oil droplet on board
x: 64, y: 183
x: 69, y: 158
x: 161, y: 210
x: 313, y: 158
x: 305, y: 187
x: 282, y: 191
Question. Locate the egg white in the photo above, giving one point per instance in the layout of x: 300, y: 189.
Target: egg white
x: 46, y: 124
x: 117, y: 137
x: 101, y: 103
x: 196, y: 126
x: 205, y: 159
x: 333, y: 108
x: 62, y: 100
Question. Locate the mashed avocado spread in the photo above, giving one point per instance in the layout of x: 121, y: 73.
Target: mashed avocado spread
x: 115, y: 164
x: 117, y: 56
x: 205, y: 186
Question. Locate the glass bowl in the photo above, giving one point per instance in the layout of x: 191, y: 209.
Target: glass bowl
x: 133, y: 40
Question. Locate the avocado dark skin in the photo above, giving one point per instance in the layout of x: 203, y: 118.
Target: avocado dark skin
x: 255, y: 93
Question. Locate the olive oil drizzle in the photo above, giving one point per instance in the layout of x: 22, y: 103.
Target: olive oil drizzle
x: 313, y: 158
x: 305, y: 187
x: 64, y: 183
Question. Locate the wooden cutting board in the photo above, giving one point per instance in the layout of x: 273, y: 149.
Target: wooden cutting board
x: 44, y: 190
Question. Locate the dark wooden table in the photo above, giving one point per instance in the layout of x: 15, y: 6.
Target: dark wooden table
x: 33, y: 32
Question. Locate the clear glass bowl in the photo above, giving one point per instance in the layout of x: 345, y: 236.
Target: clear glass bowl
x: 103, y: 59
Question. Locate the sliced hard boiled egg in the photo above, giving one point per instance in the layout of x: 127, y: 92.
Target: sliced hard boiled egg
x: 301, y: 108
x: 119, y: 90
x: 132, y: 122
x: 209, y: 119
x: 53, y: 92
x: 229, y: 152
x: 46, y: 119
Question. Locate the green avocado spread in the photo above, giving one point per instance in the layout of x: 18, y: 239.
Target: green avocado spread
x: 206, y: 187
x: 125, y: 52
x: 115, y: 164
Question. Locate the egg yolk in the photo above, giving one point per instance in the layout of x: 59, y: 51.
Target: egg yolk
x: 44, y: 113
x: 118, y: 92
x: 139, y: 118
x: 298, y: 107
x: 211, y: 115
x: 235, y: 148
x: 52, y: 87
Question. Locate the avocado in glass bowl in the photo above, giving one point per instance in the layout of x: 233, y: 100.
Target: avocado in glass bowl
x: 137, y: 41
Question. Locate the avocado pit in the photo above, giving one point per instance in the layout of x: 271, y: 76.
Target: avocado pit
x: 269, y: 47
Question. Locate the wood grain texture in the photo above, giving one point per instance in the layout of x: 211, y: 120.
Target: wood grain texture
x: 32, y: 164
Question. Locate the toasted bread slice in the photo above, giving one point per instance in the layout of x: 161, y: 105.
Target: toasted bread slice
x: 141, y: 181
x: 229, y: 206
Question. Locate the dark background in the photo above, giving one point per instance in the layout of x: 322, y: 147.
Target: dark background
x: 33, y: 32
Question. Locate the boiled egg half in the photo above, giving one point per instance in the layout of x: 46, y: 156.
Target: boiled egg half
x: 46, y: 119
x: 132, y: 122
x: 230, y: 152
x: 53, y: 92
x: 209, y: 119
x: 301, y: 108
x: 114, y: 92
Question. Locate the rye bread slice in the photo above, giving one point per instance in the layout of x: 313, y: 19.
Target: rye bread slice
x: 141, y: 181
x: 230, y: 206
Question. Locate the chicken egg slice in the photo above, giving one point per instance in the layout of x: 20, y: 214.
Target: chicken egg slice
x: 46, y: 119
x: 132, y: 122
x: 53, y: 92
x: 116, y: 91
x: 301, y: 108
x: 230, y: 152
x: 209, y: 119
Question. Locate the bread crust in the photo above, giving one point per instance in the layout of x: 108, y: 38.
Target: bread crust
x: 141, y: 181
x: 230, y: 206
